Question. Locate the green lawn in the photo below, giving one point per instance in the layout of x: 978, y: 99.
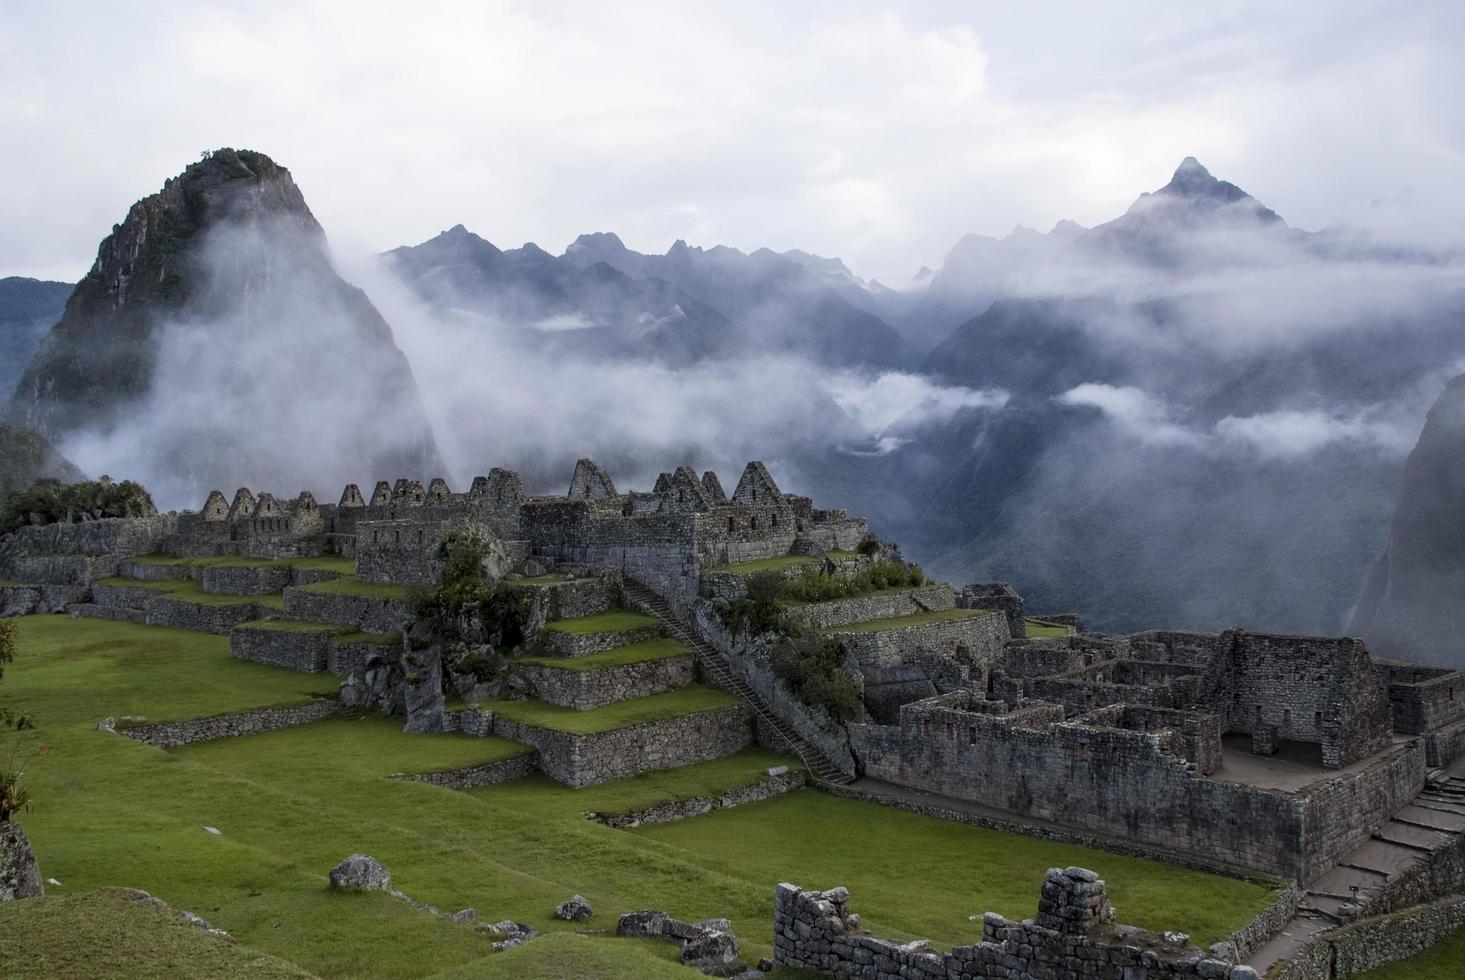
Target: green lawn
x: 329, y: 563
x: 297, y: 626
x: 353, y: 586
x: 290, y: 804
x: 633, y: 653
x: 837, y: 555
x: 767, y: 564
x: 1046, y: 631
x: 621, y: 619
x: 873, y: 852
x: 916, y: 619
x: 623, y: 714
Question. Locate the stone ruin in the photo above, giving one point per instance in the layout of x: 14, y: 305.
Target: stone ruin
x: 1072, y: 936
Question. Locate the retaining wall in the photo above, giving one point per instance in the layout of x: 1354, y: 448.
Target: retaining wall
x: 487, y: 774
x: 170, y: 734
x: 585, y: 760
x: 764, y: 789
x: 584, y: 689
x: 562, y: 644
x: 374, y: 615
x: 876, y: 605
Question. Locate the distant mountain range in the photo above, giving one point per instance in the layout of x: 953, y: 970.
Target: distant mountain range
x: 1191, y: 415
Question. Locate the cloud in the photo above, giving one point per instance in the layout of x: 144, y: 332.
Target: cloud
x: 1142, y: 416
x: 1279, y: 434
x: 901, y: 399
x: 1290, y: 433
x: 564, y: 321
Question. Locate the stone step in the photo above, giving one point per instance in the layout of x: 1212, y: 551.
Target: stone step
x: 1382, y: 856
x: 719, y: 672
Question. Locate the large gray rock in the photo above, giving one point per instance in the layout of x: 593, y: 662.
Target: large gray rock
x: 574, y: 909
x: 20, y: 876
x: 362, y: 874
x: 422, y: 691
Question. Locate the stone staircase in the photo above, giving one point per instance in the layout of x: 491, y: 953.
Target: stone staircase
x: 716, y: 669
x: 1433, y: 819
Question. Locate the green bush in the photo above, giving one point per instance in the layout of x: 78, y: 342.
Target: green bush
x: 811, y: 669
x: 50, y: 501
x: 463, y: 608
x: 819, y: 587
x: 869, y: 546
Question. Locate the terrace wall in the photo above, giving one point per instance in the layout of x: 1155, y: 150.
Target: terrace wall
x: 585, y: 760
x: 876, y: 605
x: 171, y: 734
x: 585, y: 689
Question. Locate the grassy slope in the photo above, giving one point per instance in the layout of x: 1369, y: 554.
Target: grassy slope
x: 917, y: 619
x: 620, y: 619
x: 622, y: 714
x: 1037, y: 630
x: 109, y: 932
x: 291, y: 804
x: 634, y: 653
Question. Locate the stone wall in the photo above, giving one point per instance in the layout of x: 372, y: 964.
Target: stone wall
x: 748, y: 658
x: 1344, y: 810
x: 578, y: 597
x: 984, y: 637
x: 875, y: 605
x: 696, y: 806
x: 1423, y: 698
x: 1071, y: 937
x: 210, y: 617
x: 344, y: 658
x: 585, y: 689
x: 999, y: 597
x: 245, y: 579
x: 1371, y: 943
x: 1307, y: 689
x: 486, y: 774
x: 61, y: 569
x: 291, y: 649
x: 562, y: 644
x: 585, y: 760
x: 171, y: 734
x: 372, y: 614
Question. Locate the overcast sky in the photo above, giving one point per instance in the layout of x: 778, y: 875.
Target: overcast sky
x: 878, y: 133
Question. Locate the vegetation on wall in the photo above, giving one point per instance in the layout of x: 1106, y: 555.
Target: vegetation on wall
x: 472, y: 620
x: 812, y: 669
x: 881, y: 575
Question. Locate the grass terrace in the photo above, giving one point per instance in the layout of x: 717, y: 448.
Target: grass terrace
x: 610, y: 622
x: 840, y: 555
x: 1037, y: 629
x: 189, y: 590
x: 916, y: 619
x: 358, y: 637
x: 353, y: 586
x: 623, y: 714
x: 296, y: 626
x: 634, y: 653
x: 291, y: 804
x: 768, y: 565
x: 327, y: 563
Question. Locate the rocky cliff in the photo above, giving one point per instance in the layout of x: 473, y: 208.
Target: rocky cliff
x: 213, y: 337
x: 1413, y: 604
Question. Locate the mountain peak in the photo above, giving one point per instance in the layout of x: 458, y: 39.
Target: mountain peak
x: 598, y: 244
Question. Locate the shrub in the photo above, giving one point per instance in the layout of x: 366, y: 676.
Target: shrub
x: 14, y: 798
x: 50, y: 501
x: 818, y: 587
x: 7, y: 654
x: 869, y: 546
x: 463, y: 608
x: 758, y: 612
x: 811, y: 669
